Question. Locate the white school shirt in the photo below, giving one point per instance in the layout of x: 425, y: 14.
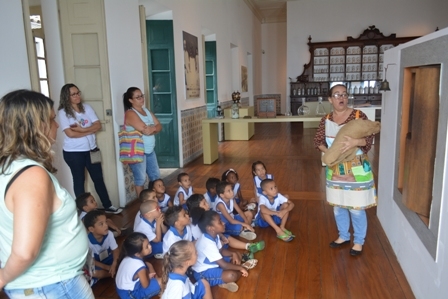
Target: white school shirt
x: 178, y: 287
x: 264, y: 201
x: 102, y: 251
x: 187, y: 194
x: 211, y: 200
x: 257, y: 182
x: 236, y: 187
x: 195, y: 230
x: 172, y: 236
x: 163, y: 205
x: 229, y: 207
x: 128, y: 268
x: 84, y: 120
x: 146, y: 227
x: 208, y: 253
x: 82, y: 215
x: 138, y: 219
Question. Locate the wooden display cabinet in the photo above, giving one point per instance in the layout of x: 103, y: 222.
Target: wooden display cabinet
x: 356, y: 62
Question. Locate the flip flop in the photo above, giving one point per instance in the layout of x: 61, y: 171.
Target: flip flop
x: 250, y: 264
x: 285, y: 237
x: 289, y: 233
x: 247, y: 256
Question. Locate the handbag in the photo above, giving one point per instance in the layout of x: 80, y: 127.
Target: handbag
x: 131, y: 145
x: 95, y: 156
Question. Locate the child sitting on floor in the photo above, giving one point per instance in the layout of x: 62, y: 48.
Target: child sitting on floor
x: 197, y: 201
x: 162, y: 198
x: 185, y: 190
x: 179, y: 228
x: 86, y: 203
x: 211, y: 196
x: 231, y: 176
x: 175, y: 282
x: 136, y: 279
x: 219, y: 266
x: 152, y: 226
x: 273, y: 210
x: 103, y: 245
x: 259, y: 173
x: 145, y: 195
x: 236, y: 225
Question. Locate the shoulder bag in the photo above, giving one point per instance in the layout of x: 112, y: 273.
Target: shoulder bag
x: 131, y: 145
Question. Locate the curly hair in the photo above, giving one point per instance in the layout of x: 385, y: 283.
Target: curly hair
x: 24, y: 129
x: 65, y: 100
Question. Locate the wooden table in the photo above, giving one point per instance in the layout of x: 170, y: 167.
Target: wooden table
x: 210, y: 130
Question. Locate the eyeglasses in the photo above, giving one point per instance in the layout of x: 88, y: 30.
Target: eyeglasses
x: 340, y: 95
x: 75, y: 94
x: 142, y: 96
x: 156, y: 209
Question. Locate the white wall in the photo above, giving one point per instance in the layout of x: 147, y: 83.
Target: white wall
x: 428, y: 277
x: 14, y: 69
x: 342, y: 18
x: 274, y: 61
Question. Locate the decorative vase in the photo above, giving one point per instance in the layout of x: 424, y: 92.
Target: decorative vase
x: 235, y: 110
x: 303, y: 110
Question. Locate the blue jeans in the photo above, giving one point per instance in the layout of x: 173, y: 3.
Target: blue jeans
x: 78, y: 162
x: 359, y: 221
x: 149, y: 167
x: 73, y: 288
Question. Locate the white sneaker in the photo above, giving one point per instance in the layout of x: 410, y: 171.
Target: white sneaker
x: 113, y: 210
x: 248, y: 235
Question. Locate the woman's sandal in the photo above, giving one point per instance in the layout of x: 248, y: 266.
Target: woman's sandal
x: 250, y: 264
x: 285, y: 237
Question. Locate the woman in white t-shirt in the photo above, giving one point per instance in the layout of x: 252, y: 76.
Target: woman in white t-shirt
x: 80, y: 123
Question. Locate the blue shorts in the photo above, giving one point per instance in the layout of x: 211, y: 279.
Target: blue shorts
x: 259, y: 221
x: 199, y: 290
x: 76, y: 287
x: 233, y: 229
x: 212, y: 275
x: 139, y: 292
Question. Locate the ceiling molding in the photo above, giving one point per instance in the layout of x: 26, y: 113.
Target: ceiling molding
x: 268, y: 11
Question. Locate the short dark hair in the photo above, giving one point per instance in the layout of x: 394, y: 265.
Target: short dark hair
x: 151, y: 184
x: 172, y: 214
x: 206, y: 220
x: 255, y: 165
x: 181, y: 175
x: 144, y: 194
x: 211, y: 183
x: 81, y: 200
x: 92, y: 217
x: 194, y: 200
x: 221, y: 186
x: 265, y: 182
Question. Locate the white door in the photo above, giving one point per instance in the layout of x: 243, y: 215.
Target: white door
x: 86, y: 65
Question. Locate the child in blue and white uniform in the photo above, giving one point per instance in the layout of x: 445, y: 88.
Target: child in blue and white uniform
x: 219, y: 266
x: 151, y: 224
x: 236, y: 225
x: 177, y: 260
x: 179, y: 227
x: 231, y: 176
x: 163, y: 199
x: 102, y: 244
x: 145, y: 195
x: 185, y: 190
x: 273, y: 210
x: 260, y: 173
x: 136, y: 279
x: 211, y: 196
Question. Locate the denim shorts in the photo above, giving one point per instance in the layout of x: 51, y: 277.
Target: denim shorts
x: 73, y: 288
x: 149, y: 167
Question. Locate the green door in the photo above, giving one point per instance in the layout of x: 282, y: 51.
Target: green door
x: 163, y: 90
x: 210, y: 78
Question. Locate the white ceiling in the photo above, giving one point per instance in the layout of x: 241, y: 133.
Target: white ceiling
x: 269, y: 11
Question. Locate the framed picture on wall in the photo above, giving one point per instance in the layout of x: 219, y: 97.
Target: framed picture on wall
x: 244, y: 87
x: 191, y: 65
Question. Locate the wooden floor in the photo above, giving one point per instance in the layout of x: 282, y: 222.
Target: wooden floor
x: 306, y: 267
